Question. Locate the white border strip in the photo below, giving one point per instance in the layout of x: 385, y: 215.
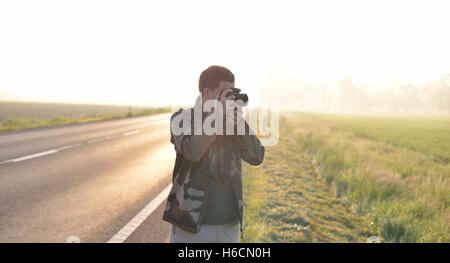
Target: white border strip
x: 129, y: 228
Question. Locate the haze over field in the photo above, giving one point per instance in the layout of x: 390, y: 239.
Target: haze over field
x: 347, y: 56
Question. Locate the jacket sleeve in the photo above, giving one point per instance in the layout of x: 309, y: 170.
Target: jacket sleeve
x: 192, y: 147
x: 251, y: 148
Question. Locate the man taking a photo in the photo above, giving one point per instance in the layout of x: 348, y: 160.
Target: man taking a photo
x: 205, y: 202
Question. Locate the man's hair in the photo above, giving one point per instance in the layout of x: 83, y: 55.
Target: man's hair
x: 212, y: 76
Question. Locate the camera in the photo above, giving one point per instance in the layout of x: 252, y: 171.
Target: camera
x: 237, y: 95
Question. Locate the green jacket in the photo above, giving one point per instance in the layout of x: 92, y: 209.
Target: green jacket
x: 187, y: 199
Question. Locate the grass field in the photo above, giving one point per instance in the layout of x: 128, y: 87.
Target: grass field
x: 343, y: 178
x: 24, y: 115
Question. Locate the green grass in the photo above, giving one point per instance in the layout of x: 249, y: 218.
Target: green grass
x: 341, y: 178
x: 26, y: 123
x: 285, y: 200
x: 393, y: 171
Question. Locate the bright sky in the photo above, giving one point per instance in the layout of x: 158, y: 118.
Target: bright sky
x: 152, y: 52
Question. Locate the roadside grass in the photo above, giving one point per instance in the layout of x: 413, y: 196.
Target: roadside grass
x: 26, y: 123
x: 392, y: 171
x: 285, y: 200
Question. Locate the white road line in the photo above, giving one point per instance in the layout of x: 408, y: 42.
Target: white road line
x: 64, y: 147
x: 129, y: 228
x: 131, y: 133
x: 31, y: 156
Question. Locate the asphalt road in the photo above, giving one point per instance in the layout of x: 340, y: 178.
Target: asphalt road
x: 85, y: 180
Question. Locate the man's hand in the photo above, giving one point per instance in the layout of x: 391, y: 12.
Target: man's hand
x: 238, y: 117
x: 223, y: 99
x: 230, y: 111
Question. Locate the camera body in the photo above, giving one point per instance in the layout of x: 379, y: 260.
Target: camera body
x: 237, y: 95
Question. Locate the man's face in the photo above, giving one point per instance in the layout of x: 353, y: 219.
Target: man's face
x: 213, y: 94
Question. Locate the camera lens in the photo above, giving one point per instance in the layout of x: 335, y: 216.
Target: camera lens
x: 242, y: 97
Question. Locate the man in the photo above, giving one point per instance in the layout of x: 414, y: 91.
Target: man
x: 205, y: 202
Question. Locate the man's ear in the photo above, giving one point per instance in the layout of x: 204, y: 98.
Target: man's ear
x: 206, y: 93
